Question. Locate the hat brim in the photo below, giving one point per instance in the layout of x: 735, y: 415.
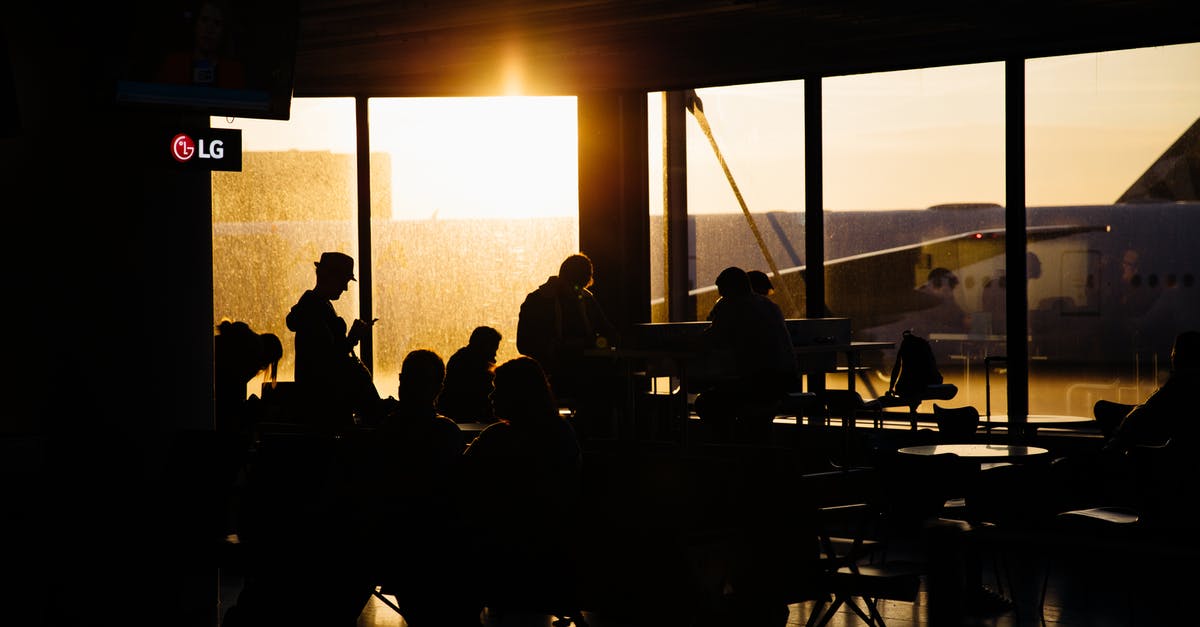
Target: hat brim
x: 317, y: 264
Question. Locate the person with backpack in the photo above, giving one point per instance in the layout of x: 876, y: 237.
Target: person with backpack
x: 558, y: 322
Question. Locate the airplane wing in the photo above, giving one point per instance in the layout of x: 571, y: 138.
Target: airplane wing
x: 879, y: 287
x: 876, y: 288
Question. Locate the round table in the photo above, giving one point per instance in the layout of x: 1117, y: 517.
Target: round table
x: 978, y: 452
x: 1043, y: 421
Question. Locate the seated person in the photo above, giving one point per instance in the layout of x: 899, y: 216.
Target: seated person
x: 523, y: 481
x: 761, y: 367
x: 1114, y: 475
x: 414, y: 472
x: 467, y: 393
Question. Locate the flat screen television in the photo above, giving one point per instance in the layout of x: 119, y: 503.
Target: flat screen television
x: 212, y: 57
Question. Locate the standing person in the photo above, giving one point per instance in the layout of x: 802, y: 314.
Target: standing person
x: 558, y: 322
x: 749, y: 329
x: 333, y: 383
x: 524, y: 474
x: 467, y: 393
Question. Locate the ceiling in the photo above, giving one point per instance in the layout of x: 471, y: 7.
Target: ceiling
x: 564, y: 47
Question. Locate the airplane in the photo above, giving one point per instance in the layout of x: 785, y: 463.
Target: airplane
x: 1114, y: 286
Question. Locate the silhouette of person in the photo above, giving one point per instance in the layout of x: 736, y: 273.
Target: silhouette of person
x: 1166, y: 414
x: 1113, y: 475
x: 467, y: 394
x: 416, y: 458
x: 749, y: 330
x: 333, y: 384
x: 524, y: 473
x: 557, y: 323
x: 945, y: 316
x: 208, y: 60
x: 241, y: 354
x: 760, y: 282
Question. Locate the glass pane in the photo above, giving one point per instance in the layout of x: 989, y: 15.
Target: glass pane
x: 295, y: 197
x: 1109, y: 301
x: 474, y: 204
x: 914, y: 223
x: 758, y: 130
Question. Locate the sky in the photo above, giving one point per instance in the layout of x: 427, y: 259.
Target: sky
x: 897, y: 140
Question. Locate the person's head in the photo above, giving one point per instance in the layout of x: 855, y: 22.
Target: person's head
x: 576, y: 270
x: 486, y: 340
x: 760, y: 282
x: 208, y: 28
x: 421, y: 376
x: 1185, y: 352
x: 256, y: 352
x: 522, y: 394
x: 942, y: 278
x: 733, y: 282
x: 334, y: 273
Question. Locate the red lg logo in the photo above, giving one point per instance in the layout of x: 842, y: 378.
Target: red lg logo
x: 182, y: 147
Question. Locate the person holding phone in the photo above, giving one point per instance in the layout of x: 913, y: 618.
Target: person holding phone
x: 336, y: 389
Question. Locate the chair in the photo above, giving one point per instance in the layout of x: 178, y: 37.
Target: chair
x: 1108, y: 415
x: 933, y: 392
x: 847, y: 405
x: 1131, y: 544
x: 858, y: 571
x: 956, y: 424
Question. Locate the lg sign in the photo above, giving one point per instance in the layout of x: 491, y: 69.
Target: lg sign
x: 183, y: 148
x: 209, y: 149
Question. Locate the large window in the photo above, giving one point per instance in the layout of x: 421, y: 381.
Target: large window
x: 758, y: 130
x: 914, y: 170
x: 484, y: 206
x: 294, y: 198
x: 474, y: 203
x: 1108, y: 303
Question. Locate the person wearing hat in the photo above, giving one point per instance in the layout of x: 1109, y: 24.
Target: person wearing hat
x: 330, y: 378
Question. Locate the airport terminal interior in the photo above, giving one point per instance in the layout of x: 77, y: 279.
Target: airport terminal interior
x: 1017, y: 183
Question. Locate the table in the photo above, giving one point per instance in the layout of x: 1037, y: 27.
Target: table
x: 1039, y: 421
x: 978, y: 452
x: 653, y: 362
x: 852, y: 351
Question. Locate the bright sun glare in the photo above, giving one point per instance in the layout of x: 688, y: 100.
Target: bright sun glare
x: 502, y: 157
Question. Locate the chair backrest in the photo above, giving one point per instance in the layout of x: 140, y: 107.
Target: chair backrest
x: 956, y: 423
x: 1108, y: 415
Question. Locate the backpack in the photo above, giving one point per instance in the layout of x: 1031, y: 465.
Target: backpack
x: 916, y: 365
x: 539, y: 327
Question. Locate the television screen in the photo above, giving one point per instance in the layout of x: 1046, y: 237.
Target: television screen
x: 212, y: 57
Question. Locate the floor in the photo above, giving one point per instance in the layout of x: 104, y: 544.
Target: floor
x: 1070, y: 602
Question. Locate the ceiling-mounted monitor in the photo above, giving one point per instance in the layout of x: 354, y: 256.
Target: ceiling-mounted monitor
x: 211, y: 57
